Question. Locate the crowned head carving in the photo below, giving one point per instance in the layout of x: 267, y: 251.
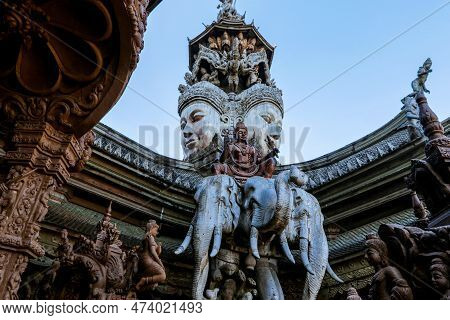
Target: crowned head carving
x: 209, y: 116
x: 376, y: 251
x: 439, y: 275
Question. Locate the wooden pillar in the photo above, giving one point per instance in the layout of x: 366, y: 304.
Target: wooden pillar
x: 39, y: 161
x: 57, y: 81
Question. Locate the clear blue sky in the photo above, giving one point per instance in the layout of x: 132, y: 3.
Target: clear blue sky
x: 316, y: 41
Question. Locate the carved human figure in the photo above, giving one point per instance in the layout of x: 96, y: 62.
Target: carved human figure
x: 439, y: 277
x: 212, y: 43
x: 65, y: 248
x: 251, y: 46
x: 265, y: 122
x: 242, y: 160
x: 214, y: 78
x: 253, y: 75
x: 411, y: 109
x: 226, y: 42
x: 151, y: 268
x: 200, y: 123
x: 234, y: 68
x: 419, y: 84
x: 387, y: 283
x: 204, y: 75
x: 243, y: 42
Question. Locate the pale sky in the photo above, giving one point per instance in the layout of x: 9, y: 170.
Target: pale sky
x: 316, y: 41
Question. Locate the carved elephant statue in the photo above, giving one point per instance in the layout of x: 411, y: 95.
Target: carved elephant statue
x: 268, y: 206
x: 281, y: 208
x: 306, y: 228
x: 217, y: 213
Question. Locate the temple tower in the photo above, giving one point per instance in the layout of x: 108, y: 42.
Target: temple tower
x: 229, y: 82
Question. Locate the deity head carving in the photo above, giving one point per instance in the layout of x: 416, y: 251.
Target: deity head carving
x: 206, y: 111
x: 376, y: 251
x: 264, y: 118
x: 241, y: 132
x: 439, y: 275
x: 200, y: 121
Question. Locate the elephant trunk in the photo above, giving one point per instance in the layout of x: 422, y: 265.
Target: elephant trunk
x: 187, y: 241
x: 304, y: 249
x: 282, y: 212
x: 285, y: 247
x: 201, y: 242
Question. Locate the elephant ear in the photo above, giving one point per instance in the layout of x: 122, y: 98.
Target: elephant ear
x: 317, y: 253
x: 200, y: 188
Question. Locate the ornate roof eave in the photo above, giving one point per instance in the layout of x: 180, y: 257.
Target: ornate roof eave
x: 81, y: 85
x: 357, y: 155
x: 226, y: 25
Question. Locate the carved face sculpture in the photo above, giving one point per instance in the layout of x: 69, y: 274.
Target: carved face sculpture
x: 439, y: 281
x: 152, y: 228
x: 376, y: 252
x: 200, y: 123
x: 265, y: 124
x: 439, y: 275
x: 241, y: 133
x: 373, y: 256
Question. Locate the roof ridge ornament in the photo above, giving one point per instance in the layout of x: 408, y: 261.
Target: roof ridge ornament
x: 419, y: 84
x: 228, y: 11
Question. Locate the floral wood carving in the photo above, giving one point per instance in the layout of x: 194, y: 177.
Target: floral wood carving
x: 51, y: 43
x: 67, y: 62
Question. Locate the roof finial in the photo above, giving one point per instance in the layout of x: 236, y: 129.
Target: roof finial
x: 418, y: 85
x: 228, y: 11
x: 107, y: 215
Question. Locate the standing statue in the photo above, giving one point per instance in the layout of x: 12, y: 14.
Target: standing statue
x: 212, y: 43
x: 419, y: 84
x: 388, y: 282
x: 232, y: 68
x: 151, y: 268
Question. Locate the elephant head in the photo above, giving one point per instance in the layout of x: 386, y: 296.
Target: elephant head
x: 268, y: 206
x: 306, y: 228
x: 217, y: 213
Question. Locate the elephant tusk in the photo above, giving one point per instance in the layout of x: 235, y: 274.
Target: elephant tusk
x: 217, y: 241
x: 182, y: 248
x: 254, y: 242
x: 304, y: 255
x: 333, y: 274
x: 285, y: 247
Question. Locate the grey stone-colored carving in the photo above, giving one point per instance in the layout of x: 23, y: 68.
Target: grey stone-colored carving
x: 411, y: 110
x: 268, y: 206
x: 306, y: 228
x: 274, y: 209
x: 419, y: 84
x: 200, y: 124
x: 217, y: 214
x: 260, y: 108
x: 228, y: 11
